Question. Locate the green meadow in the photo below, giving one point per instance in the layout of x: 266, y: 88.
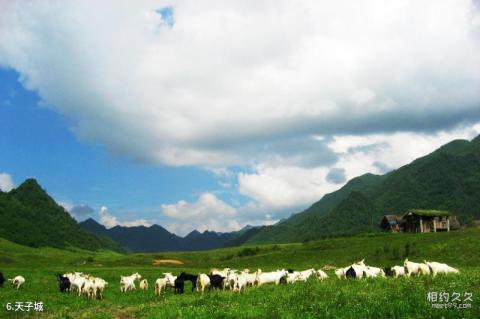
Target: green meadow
x: 331, y: 298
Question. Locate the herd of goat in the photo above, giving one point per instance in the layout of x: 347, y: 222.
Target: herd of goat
x: 235, y: 280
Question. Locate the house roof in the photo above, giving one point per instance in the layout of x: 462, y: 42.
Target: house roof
x: 392, y: 218
x: 428, y: 212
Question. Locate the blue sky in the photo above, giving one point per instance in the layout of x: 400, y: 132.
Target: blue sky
x: 37, y: 142
x: 217, y: 116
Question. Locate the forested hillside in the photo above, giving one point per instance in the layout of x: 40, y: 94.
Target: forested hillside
x: 447, y: 179
x: 31, y: 217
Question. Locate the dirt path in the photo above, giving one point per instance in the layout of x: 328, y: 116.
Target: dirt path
x: 157, y: 262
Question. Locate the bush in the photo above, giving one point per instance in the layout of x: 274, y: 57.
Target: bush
x: 275, y: 247
x: 248, y: 252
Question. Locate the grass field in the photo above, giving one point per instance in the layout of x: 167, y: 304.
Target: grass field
x: 332, y: 298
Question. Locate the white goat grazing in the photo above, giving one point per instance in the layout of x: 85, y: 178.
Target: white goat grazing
x: 143, y: 284
x: 341, y: 272
x: 304, y: 275
x: 411, y: 268
x: 398, y: 271
x: 321, y: 275
x: 89, y: 289
x: 373, y: 272
x: 99, y: 285
x: 439, y: 268
x: 270, y: 277
x: 170, y: 279
x: 423, y: 269
x: 17, y: 281
x: 292, y: 277
x: 78, y: 283
x: 242, y: 281
x: 230, y: 281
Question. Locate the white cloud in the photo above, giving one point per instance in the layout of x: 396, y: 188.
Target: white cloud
x: 109, y: 220
x: 290, y: 89
x: 6, y: 182
x: 229, y: 78
x: 208, y: 205
x: 361, y: 154
x: 285, y: 187
x: 207, y: 213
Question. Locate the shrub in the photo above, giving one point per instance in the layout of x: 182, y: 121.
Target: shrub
x: 248, y: 252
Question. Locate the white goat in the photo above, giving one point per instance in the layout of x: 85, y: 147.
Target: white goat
x: 411, y: 268
x: 423, y: 269
x: 304, y: 275
x: 398, y: 271
x: 17, y: 281
x: 270, y: 277
x: 373, y: 272
x: 439, y: 268
x: 203, y: 282
x: 321, y: 275
x: 128, y: 282
x: 143, y: 284
x: 160, y: 284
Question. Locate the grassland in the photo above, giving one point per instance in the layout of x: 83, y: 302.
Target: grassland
x: 332, y: 298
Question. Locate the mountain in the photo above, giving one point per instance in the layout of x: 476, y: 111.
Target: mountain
x: 447, y: 179
x: 31, y: 217
x: 145, y: 239
x: 156, y: 238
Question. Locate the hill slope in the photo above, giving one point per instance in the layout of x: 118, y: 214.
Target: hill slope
x: 31, y: 217
x: 447, y: 179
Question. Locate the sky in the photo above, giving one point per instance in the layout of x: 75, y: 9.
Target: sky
x: 229, y: 113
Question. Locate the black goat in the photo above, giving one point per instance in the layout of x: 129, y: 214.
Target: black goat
x: 388, y: 271
x: 63, y: 283
x: 191, y: 278
x: 2, y: 279
x: 351, y: 273
x: 179, y: 284
x: 216, y: 281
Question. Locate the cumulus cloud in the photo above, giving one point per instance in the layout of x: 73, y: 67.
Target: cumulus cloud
x: 109, y: 220
x: 303, y: 94
x: 207, y: 213
x: 207, y: 205
x: 6, y: 182
x: 219, y: 84
x: 284, y: 186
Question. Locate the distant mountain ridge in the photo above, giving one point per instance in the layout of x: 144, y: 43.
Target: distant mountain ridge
x: 156, y: 238
x: 31, y: 217
x: 446, y: 179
